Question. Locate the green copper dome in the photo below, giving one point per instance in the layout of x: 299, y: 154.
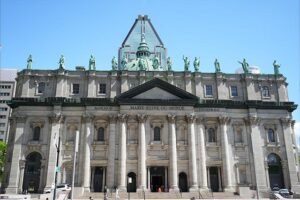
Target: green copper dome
x: 143, y: 49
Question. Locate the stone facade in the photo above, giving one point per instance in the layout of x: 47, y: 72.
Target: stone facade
x: 151, y: 130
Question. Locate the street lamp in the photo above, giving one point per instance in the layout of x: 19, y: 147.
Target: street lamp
x: 74, y: 162
x: 56, y: 167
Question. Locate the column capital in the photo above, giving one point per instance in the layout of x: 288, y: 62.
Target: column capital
x: 286, y: 122
x: 223, y: 120
x: 142, y: 118
x: 87, y: 118
x: 122, y: 117
x: 252, y: 120
x: 171, y: 118
x: 190, y: 118
x: 113, y: 119
x: 200, y: 120
x: 57, y: 118
x: 20, y: 118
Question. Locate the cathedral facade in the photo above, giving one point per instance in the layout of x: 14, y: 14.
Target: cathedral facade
x: 144, y: 127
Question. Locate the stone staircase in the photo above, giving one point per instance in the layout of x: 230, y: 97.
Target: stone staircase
x: 160, y: 195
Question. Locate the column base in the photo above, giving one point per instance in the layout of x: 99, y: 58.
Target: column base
x: 194, y: 188
x: 174, y: 189
x: 11, y: 190
x: 86, y: 189
x: 203, y: 189
x: 142, y: 189
x: 122, y: 188
x: 229, y: 189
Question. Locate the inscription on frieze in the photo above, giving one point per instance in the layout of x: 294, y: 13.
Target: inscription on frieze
x: 103, y: 108
x: 156, y: 108
x: 207, y: 109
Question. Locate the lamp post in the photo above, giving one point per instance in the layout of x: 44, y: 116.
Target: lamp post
x: 74, y: 162
x: 56, y: 167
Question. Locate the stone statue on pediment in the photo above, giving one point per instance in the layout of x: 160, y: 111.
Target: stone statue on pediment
x: 61, y: 62
x: 142, y: 64
x: 124, y: 62
x: 92, y: 63
x: 169, y: 64
x: 29, y: 62
x: 245, y: 66
x: 217, y: 65
x: 186, y: 63
x: 114, y: 63
x: 196, y: 64
x: 276, y: 68
x: 155, y: 62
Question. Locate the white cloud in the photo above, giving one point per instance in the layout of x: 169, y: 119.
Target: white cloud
x: 297, y: 132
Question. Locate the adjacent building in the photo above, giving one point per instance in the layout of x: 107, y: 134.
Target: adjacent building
x: 143, y: 126
x: 7, y: 89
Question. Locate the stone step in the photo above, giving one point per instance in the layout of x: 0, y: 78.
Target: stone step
x: 162, y: 195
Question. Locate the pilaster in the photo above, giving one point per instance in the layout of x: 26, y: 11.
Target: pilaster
x: 111, y: 151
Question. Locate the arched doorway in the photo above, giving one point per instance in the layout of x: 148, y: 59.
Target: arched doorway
x: 275, y: 171
x: 32, y: 172
x: 98, y: 179
x: 183, y: 184
x: 131, y: 182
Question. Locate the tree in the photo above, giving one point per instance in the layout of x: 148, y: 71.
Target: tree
x: 3, y: 147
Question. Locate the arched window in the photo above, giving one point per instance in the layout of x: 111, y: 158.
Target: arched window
x: 265, y: 91
x: 211, y: 135
x: 156, y: 134
x: 100, y: 134
x: 36, y: 133
x: 271, y: 135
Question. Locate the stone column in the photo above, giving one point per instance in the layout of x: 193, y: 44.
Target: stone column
x: 88, y: 119
x: 41, y: 175
x: 111, y: 152
x: 267, y: 175
x: 56, y: 121
x: 173, y: 154
x: 142, y: 152
x: 22, y: 167
x: 192, y: 153
x: 202, y: 155
x: 13, y: 181
x: 237, y: 172
x: 258, y: 157
x: 291, y: 164
x: 226, y: 154
x: 123, y: 152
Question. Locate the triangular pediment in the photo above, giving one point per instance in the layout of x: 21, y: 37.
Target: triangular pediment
x: 157, y: 91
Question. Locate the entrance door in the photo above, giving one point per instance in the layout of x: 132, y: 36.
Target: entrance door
x: 157, y: 180
x: 32, y: 172
x: 131, y: 182
x: 183, y: 184
x: 275, y: 171
x: 214, y: 179
x: 98, y: 179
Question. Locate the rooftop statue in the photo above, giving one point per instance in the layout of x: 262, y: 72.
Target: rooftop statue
x: 155, y: 62
x: 114, y: 63
x: 276, y: 68
x: 169, y: 64
x: 217, y: 66
x: 61, y: 62
x: 186, y: 63
x: 196, y: 64
x: 29, y: 62
x: 245, y: 66
x: 124, y: 62
x: 142, y: 64
x: 92, y: 63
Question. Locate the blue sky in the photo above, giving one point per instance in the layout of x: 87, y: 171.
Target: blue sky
x: 229, y: 30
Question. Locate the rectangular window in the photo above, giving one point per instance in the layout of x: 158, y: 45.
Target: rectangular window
x: 234, y: 91
x: 102, y: 88
x: 75, y: 88
x: 41, y: 88
x: 5, y: 86
x: 208, y: 90
x: 2, y: 116
x: 1, y: 132
x: 4, y: 93
x: 3, y: 109
x: 265, y: 91
x: 2, y: 124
